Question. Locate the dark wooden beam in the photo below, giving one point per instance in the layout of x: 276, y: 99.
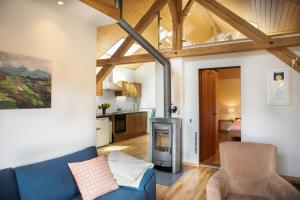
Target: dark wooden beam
x: 241, y: 46
x: 104, y: 7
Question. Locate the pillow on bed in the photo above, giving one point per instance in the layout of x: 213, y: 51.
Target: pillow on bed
x: 93, y: 177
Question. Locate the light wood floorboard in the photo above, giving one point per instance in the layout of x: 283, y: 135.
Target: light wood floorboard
x: 191, y: 186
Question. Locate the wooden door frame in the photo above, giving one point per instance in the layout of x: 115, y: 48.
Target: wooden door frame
x: 199, y: 102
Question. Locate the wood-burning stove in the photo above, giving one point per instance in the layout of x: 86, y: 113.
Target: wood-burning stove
x: 166, y: 154
x: 166, y: 144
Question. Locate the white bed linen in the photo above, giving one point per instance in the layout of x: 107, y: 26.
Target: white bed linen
x: 235, y: 126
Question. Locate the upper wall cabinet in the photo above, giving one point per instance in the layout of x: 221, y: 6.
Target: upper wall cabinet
x: 99, y: 89
x: 129, y: 89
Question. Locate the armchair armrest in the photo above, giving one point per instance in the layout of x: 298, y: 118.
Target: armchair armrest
x: 218, y: 186
x: 148, y: 184
x: 278, y: 188
x: 146, y: 178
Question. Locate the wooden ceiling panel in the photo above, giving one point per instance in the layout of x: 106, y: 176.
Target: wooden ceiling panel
x: 198, y: 26
x: 270, y: 16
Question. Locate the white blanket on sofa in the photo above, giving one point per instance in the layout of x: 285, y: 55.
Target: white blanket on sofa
x: 126, y: 169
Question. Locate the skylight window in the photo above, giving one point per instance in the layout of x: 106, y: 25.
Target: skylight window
x: 165, y: 35
x: 113, y: 49
x: 134, y: 48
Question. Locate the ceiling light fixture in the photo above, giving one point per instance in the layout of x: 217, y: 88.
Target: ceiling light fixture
x: 60, y: 3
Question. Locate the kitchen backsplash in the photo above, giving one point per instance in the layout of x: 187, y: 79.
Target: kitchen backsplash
x: 125, y: 103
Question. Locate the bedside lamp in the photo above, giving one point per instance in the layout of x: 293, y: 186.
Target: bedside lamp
x: 231, y: 111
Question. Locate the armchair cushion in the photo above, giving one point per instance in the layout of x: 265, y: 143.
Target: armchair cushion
x: 248, y: 165
x: 280, y: 189
x: 218, y: 186
x: 244, y: 197
x: 248, y: 171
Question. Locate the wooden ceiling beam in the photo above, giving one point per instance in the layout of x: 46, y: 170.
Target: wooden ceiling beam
x: 104, y: 7
x: 140, y: 28
x: 177, y: 23
x: 187, y: 9
x: 234, y: 20
x: 247, y: 29
x: 241, y: 46
x: 287, y: 56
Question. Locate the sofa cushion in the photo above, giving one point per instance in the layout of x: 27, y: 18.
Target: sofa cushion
x: 51, y: 179
x: 93, y: 177
x: 8, y: 185
x: 123, y: 193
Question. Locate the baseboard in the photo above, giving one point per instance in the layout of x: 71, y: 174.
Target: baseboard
x: 291, y: 178
x: 214, y: 166
x: 190, y: 164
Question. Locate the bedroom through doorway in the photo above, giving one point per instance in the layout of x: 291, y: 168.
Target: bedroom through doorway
x: 220, y: 111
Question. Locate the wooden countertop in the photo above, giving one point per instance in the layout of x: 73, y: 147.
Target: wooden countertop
x: 113, y: 114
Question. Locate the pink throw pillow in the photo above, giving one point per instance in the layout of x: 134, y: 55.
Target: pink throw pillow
x: 93, y: 177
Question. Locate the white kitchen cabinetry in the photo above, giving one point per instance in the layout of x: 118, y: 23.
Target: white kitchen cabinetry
x: 102, y: 131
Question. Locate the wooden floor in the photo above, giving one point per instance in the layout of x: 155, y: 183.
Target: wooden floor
x: 191, y: 186
x: 223, y: 136
x: 137, y: 147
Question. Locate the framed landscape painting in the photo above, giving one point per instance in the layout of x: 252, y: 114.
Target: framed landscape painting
x: 25, y: 82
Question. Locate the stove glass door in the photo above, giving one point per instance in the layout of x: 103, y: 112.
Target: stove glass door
x: 162, y: 140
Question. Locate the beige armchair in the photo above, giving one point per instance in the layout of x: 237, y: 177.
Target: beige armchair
x: 248, y: 171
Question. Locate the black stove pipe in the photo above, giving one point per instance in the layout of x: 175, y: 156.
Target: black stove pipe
x: 156, y: 54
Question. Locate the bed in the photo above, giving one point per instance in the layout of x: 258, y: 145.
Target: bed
x: 234, y: 130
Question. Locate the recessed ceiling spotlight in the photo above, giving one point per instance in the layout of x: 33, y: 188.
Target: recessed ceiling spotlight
x: 60, y: 3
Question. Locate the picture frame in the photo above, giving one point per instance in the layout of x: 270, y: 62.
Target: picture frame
x: 25, y: 82
x: 279, y: 87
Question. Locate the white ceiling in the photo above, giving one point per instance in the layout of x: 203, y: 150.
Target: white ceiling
x: 81, y: 11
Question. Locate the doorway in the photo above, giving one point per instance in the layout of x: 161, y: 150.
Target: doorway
x: 219, y: 111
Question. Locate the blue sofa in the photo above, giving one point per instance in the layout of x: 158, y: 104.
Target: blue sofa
x: 52, y: 180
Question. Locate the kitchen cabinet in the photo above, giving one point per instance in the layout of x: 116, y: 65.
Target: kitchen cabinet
x: 130, y: 89
x: 102, y: 131
x: 99, y: 89
x: 135, y: 89
x: 136, y: 123
x: 125, y: 88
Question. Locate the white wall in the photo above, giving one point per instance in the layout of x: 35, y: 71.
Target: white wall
x: 123, y: 74
x: 146, y: 76
x: 176, y: 87
x: 278, y: 125
x: 42, y: 29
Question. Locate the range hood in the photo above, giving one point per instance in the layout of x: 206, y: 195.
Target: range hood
x: 108, y: 83
x: 111, y: 86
